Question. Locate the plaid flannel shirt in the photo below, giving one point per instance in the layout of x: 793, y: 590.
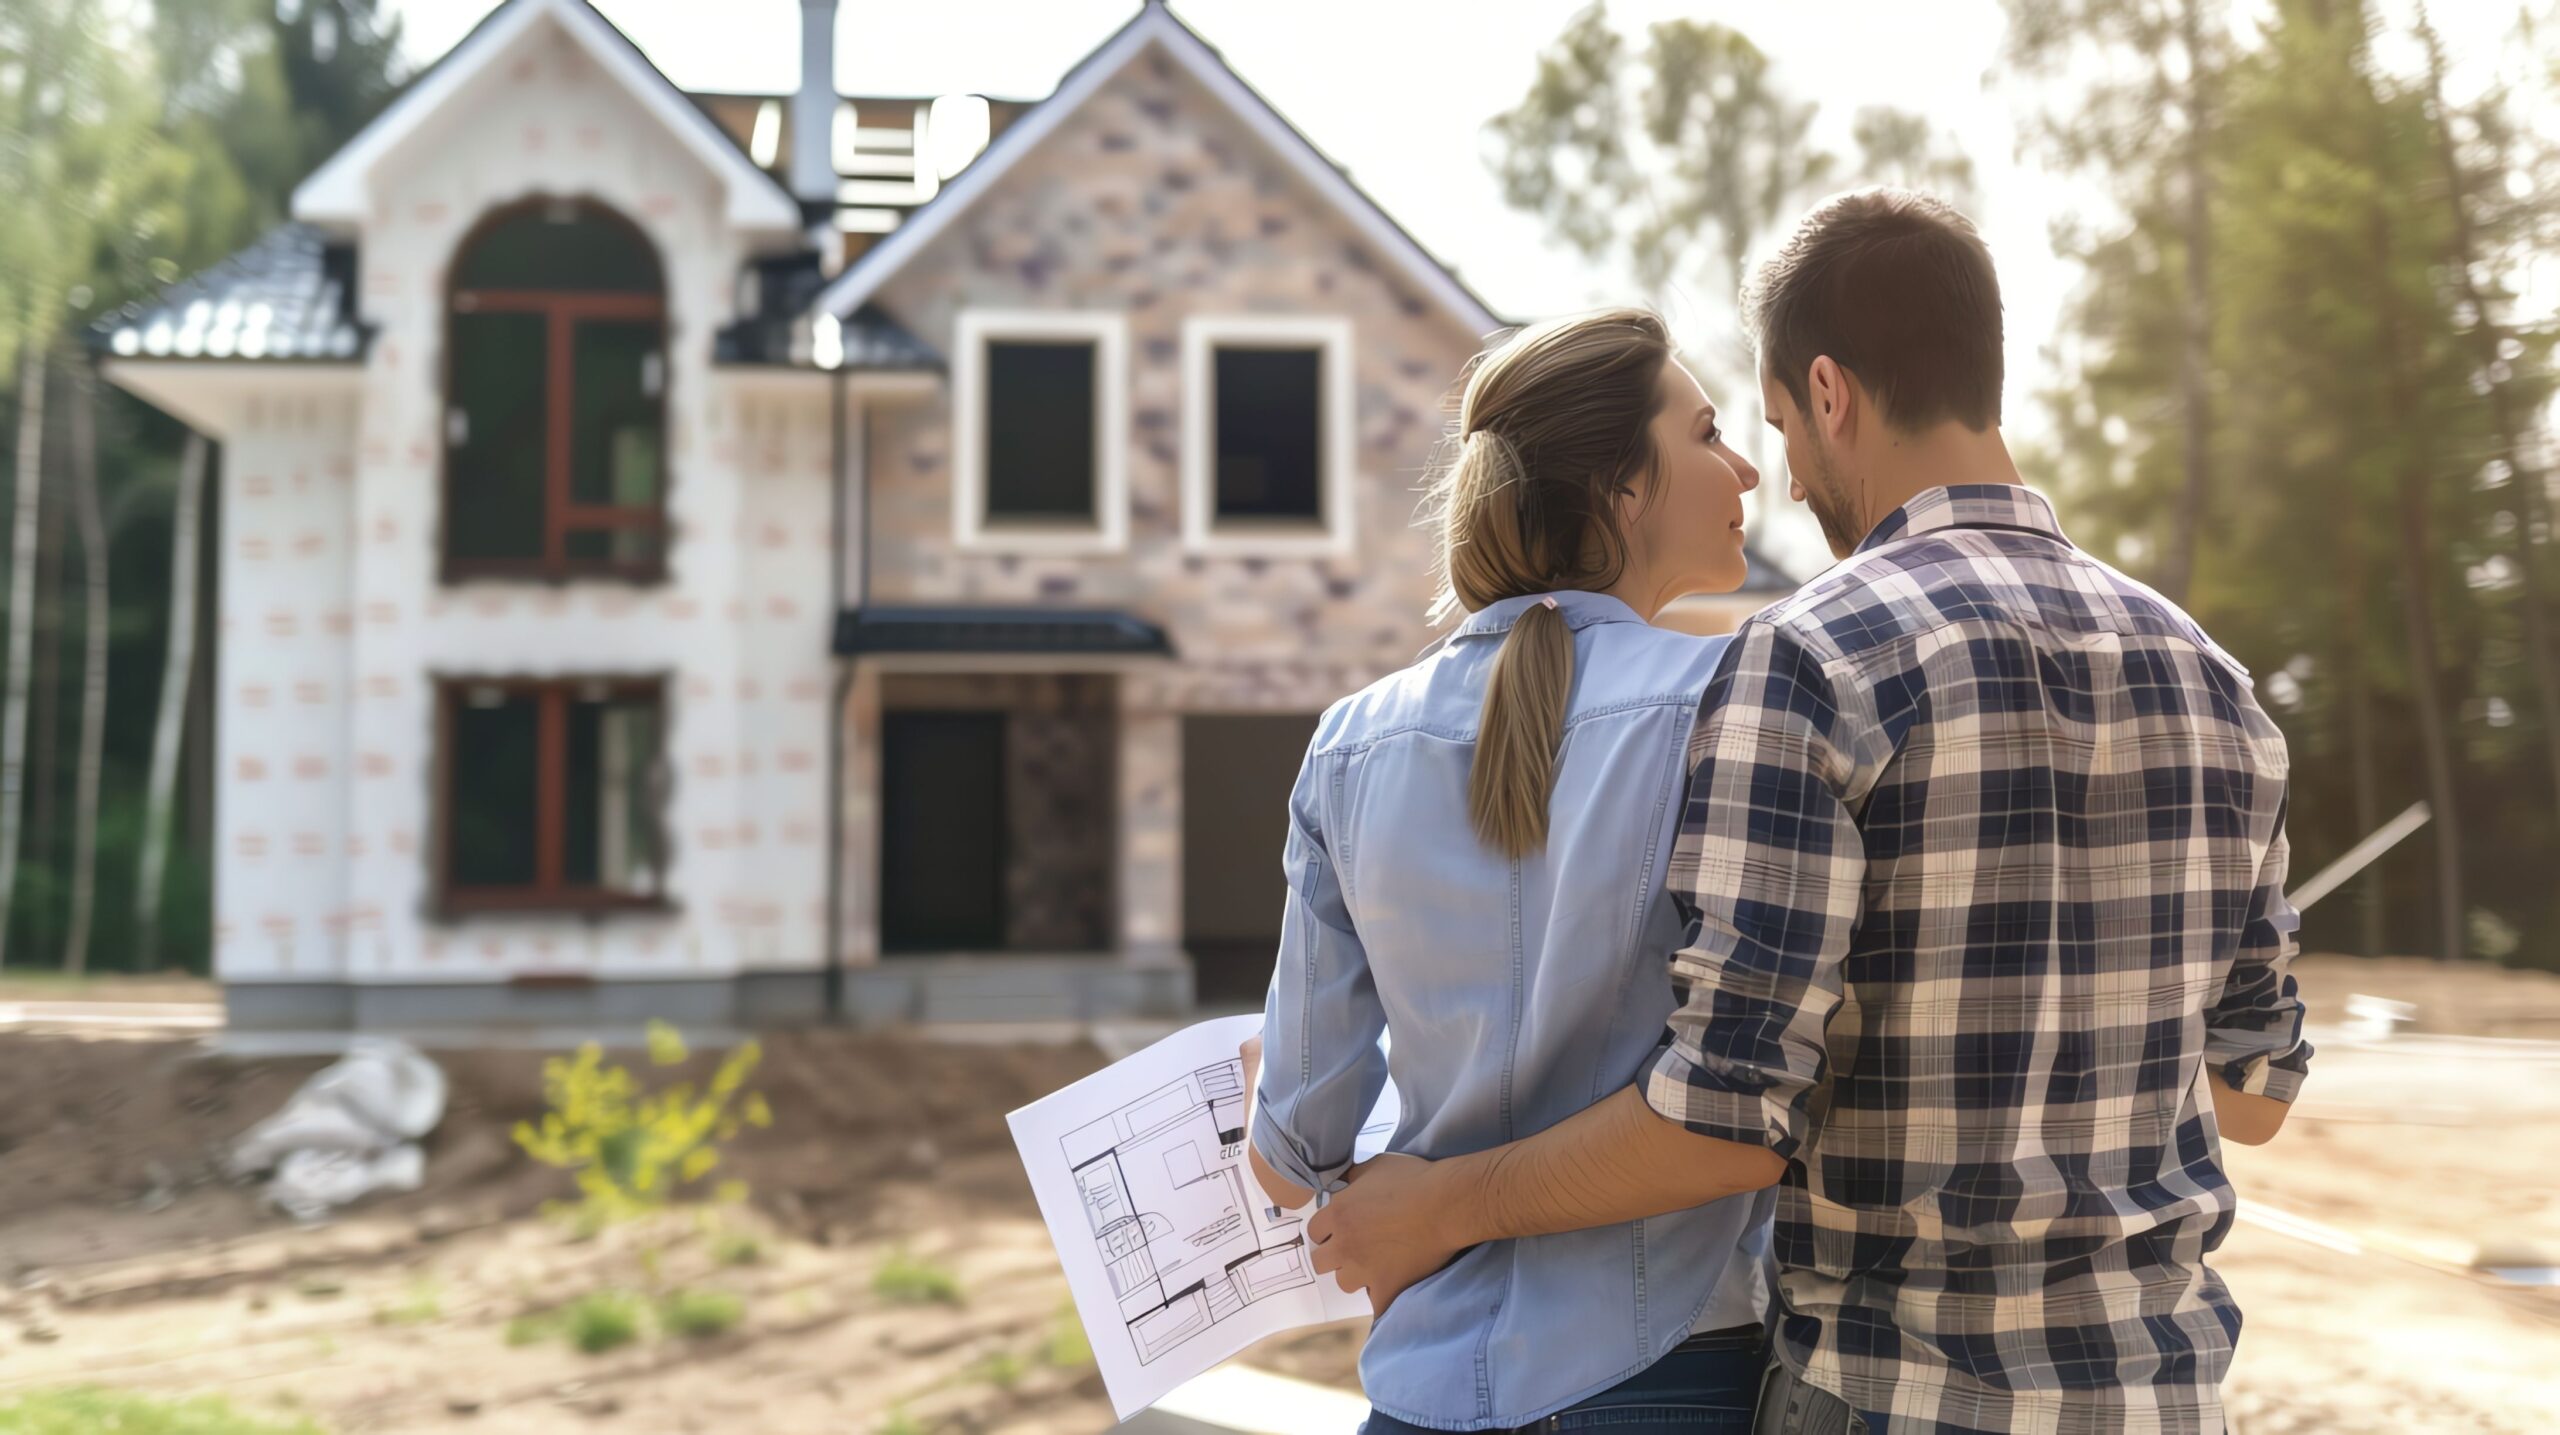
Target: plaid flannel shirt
x: 1985, y: 850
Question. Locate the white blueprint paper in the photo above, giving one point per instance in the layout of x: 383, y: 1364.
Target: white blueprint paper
x: 1175, y: 1257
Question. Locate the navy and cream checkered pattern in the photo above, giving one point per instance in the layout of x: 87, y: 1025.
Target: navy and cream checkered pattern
x: 1985, y: 850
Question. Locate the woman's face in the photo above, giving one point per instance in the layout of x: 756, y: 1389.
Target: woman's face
x: 1687, y: 533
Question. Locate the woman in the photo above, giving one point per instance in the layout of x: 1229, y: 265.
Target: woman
x: 1475, y: 863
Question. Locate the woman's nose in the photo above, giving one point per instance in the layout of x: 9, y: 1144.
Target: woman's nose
x: 1743, y: 470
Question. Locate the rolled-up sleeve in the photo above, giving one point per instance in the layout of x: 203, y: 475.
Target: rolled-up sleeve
x: 1769, y: 867
x: 1322, y: 1067
x: 2253, y: 1034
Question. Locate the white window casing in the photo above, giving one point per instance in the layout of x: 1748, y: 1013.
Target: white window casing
x: 1333, y: 534
x: 971, y: 528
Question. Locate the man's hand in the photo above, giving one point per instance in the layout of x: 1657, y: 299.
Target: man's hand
x: 1251, y: 1054
x: 1387, y: 1229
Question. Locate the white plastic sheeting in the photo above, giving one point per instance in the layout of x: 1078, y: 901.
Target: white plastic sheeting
x: 351, y: 1130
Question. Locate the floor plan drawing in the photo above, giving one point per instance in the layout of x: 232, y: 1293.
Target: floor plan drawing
x: 1162, y: 1181
x: 1175, y: 1256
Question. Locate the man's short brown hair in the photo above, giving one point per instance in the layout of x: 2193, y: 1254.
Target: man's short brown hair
x: 1898, y: 289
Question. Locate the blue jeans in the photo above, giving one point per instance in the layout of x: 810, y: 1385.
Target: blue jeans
x: 1706, y: 1386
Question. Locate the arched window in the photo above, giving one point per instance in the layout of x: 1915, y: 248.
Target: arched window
x: 555, y: 384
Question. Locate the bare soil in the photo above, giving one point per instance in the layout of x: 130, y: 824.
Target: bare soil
x: 2428, y: 1155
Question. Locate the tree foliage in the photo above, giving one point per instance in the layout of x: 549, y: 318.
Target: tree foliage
x: 140, y: 142
x: 2363, y: 545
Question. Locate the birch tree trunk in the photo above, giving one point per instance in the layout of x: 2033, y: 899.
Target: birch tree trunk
x: 22, y: 592
x: 177, y: 670
x: 93, y: 666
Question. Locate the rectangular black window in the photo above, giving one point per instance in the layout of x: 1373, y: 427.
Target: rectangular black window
x: 1269, y: 425
x: 1040, y: 431
x: 552, y: 793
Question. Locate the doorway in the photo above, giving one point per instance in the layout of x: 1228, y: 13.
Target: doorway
x: 942, y: 809
x: 1237, y: 771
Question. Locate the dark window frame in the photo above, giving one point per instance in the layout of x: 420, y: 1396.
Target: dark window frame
x: 975, y: 528
x: 994, y: 438
x: 561, y: 310
x: 1207, y: 527
x: 550, y: 892
x: 1321, y: 484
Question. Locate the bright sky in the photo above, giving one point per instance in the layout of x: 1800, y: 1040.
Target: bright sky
x: 1398, y: 91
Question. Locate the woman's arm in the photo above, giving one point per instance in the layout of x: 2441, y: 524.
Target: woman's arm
x: 1284, y: 1193
x: 1322, y: 1069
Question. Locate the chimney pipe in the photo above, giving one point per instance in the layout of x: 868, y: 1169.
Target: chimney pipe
x: 813, y: 111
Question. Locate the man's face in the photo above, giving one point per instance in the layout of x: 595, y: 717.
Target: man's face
x: 1813, y: 477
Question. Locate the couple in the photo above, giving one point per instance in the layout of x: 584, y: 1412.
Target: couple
x: 1839, y: 1021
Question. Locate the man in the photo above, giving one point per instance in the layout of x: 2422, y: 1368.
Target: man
x: 1984, y: 851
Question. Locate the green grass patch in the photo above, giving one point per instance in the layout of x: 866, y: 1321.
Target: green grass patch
x: 737, y: 1248
x: 602, y: 1321
x: 423, y: 1303
x: 87, y: 1411
x: 1002, y: 1369
x: 697, y: 1315
x: 1065, y: 1346
x: 900, y: 1422
x: 533, y: 1328
x: 904, y: 1280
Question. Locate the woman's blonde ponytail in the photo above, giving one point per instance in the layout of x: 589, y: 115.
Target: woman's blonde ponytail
x: 1519, y: 733
x: 1553, y: 426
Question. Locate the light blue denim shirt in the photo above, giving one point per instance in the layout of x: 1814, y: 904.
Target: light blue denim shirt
x: 1517, y: 993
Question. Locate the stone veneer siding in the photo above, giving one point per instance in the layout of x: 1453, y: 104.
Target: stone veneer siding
x: 1153, y: 202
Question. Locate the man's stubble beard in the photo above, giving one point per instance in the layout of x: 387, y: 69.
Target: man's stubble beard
x: 1832, y: 506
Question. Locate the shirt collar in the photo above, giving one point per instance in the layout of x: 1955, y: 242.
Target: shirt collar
x: 1579, y: 609
x: 1969, y: 505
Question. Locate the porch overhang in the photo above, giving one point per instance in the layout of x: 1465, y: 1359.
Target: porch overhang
x: 997, y: 633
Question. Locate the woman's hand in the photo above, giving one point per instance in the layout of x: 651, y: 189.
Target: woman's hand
x: 1386, y: 1229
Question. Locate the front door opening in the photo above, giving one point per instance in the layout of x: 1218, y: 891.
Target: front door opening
x: 1236, y: 775
x: 942, y: 815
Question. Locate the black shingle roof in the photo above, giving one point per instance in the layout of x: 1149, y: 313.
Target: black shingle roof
x: 289, y: 296
x: 871, y: 340
x: 997, y: 630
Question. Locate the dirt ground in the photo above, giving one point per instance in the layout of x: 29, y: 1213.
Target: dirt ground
x: 2410, y: 1161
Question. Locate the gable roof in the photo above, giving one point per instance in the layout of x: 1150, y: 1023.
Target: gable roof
x: 1156, y: 26
x: 334, y: 194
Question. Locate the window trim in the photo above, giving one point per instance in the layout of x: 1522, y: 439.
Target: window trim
x: 561, y: 310
x: 1334, y: 532
x: 549, y: 895
x: 971, y: 529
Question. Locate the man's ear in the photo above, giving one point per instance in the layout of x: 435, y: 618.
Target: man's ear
x: 1831, y: 399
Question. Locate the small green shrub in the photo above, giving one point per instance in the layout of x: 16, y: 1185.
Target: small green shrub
x: 602, y: 1321
x: 1003, y: 1369
x: 736, y: 1248
x: 697, y: 1315
x: 633, y: 1151
x: 904, y: 1280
